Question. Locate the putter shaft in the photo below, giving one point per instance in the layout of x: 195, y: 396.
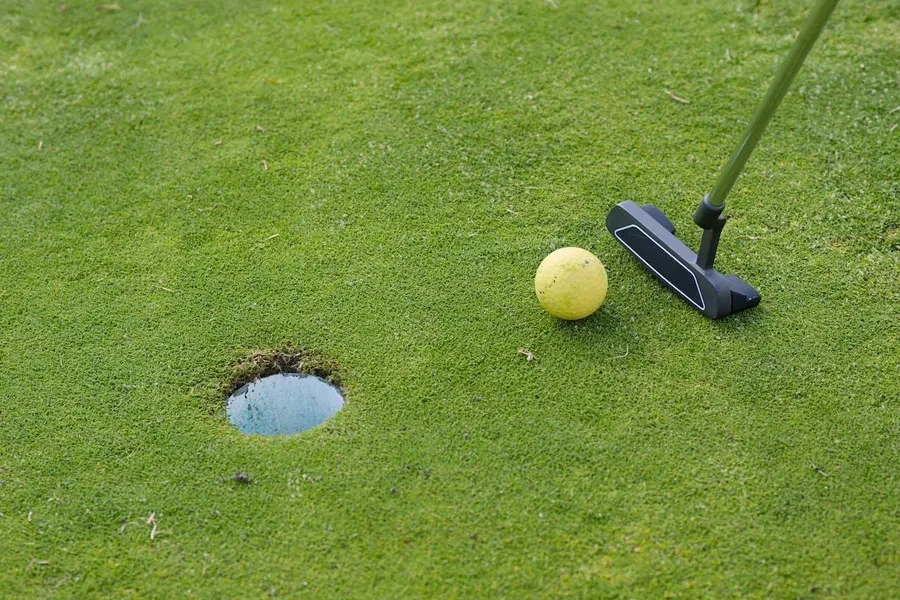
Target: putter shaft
x: 786, y: 72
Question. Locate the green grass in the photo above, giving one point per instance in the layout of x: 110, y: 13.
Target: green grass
x: 416, y: 161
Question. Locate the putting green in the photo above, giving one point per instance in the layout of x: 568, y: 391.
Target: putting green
x: 185, y: 182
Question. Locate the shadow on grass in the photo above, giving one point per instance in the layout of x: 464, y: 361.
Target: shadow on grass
x: 603, y: 329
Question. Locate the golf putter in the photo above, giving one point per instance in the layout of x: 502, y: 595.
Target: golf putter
x: 650, y: 237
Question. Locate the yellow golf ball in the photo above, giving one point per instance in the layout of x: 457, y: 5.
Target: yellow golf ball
x: 570, y: 283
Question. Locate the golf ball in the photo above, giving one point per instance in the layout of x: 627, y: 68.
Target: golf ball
x: 570, y: 283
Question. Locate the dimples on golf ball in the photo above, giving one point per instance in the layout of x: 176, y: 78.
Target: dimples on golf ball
x: 570, y: 283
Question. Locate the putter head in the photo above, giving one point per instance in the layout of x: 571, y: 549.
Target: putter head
x: 650, y: 237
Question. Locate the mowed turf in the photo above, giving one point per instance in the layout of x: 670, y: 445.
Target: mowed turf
x: 182, y: 183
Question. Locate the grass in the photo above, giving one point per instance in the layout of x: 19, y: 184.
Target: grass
x: 185, y: 183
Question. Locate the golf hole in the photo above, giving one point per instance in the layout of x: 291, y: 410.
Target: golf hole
x: 283, y: 404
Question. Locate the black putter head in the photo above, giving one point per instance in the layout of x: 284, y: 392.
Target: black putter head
x: 650, y: 237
